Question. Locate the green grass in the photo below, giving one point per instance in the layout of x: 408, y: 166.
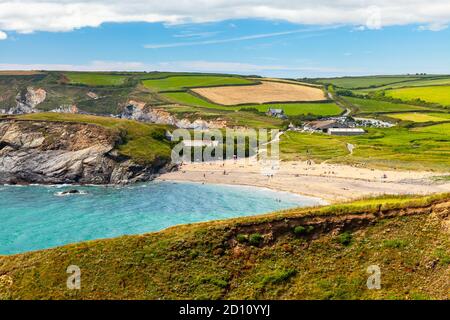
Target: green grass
x: 141, y: 142
x: 422, y: 117
x: 425, y: 148
x: 376, y: 106
x: 415, y: 83
x: 95, y: 79
x: 432, y: 94
x: 198, y: 261
x: 365, y: 82
x: 183, y: 82
x: 290, y: 109
x: 440, y: 129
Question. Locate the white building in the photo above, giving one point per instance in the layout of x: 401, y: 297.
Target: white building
x: 345, y: 131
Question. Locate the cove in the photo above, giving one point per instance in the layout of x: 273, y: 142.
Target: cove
x: 38, y: 217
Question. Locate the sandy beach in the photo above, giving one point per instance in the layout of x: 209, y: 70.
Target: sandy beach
x: 331, y: 182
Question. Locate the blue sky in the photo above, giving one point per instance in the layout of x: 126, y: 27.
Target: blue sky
x: 270, y: 47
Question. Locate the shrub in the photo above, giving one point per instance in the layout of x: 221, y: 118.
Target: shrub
x: 241, y: 238
x: 299, y: 230
x: 394, y: 244
x: 255, y: 239
x: 345, y: 238
x: 279, y: 276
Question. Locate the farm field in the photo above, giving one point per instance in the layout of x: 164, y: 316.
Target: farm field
x: 377, y: 106
x: 425, y: 148
x: 288, y: 81
x: 174, y: 83
x: 291, y: 109
x: 431, y: 81
x: 439, y: 129
x: 365, y: 82
x: 422, y: 117
x: 433, y: 94
x: 95, y: 79
x: 18, y: 73
x: 265, y: 92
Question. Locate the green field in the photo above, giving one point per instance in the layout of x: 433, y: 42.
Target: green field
x: 443, y: 129
x: 142, y: 142
x: 183, y: 82
x: 432, y: 94
x: 407, y: 84
x: 422, y: 117
x: 377, y: 106
x: 425, y: 148
x: 204, y: 261
x: 95, y: 79
x: 365, y: 82
x: 290, y: 109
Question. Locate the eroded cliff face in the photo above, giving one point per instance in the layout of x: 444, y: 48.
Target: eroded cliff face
x: 135, y: 110
x: 27, y: 100
x: 73, y: 153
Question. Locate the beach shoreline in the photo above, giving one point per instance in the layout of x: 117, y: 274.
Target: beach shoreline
x: 330, y: 182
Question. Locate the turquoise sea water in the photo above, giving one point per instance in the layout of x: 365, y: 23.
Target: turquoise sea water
x: 35, y: 217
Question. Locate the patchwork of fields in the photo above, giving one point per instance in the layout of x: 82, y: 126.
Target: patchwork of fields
x: 290, y: 109
x: 365, y: 82
x: 420, y: 139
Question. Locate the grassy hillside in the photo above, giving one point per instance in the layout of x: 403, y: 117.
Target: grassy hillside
x: 426, y: 148
x: 363, y: 106
x: 95, y: 79
x: 318, y: 253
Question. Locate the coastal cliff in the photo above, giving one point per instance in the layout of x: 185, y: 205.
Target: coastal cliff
x: 47, y: 152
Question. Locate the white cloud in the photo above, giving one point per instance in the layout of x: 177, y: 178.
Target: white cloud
x: 93, y: 66
x: 180, y: 66
x: 26, y: 16
x: 3, y: 35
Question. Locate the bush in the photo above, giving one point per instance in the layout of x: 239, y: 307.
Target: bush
x: 241, y: 238
x: 345, y: 238
x: 279, y: 276
x: 299, y: 230
x: 255, y: 239
x: 394, y: 244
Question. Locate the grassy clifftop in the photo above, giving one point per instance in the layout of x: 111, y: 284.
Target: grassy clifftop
x: 318, y: 253
x: 141, y: 142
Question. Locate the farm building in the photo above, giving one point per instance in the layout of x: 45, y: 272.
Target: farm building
x: 345, y: 131
x: 279, y: 113
x: 323, y: 125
